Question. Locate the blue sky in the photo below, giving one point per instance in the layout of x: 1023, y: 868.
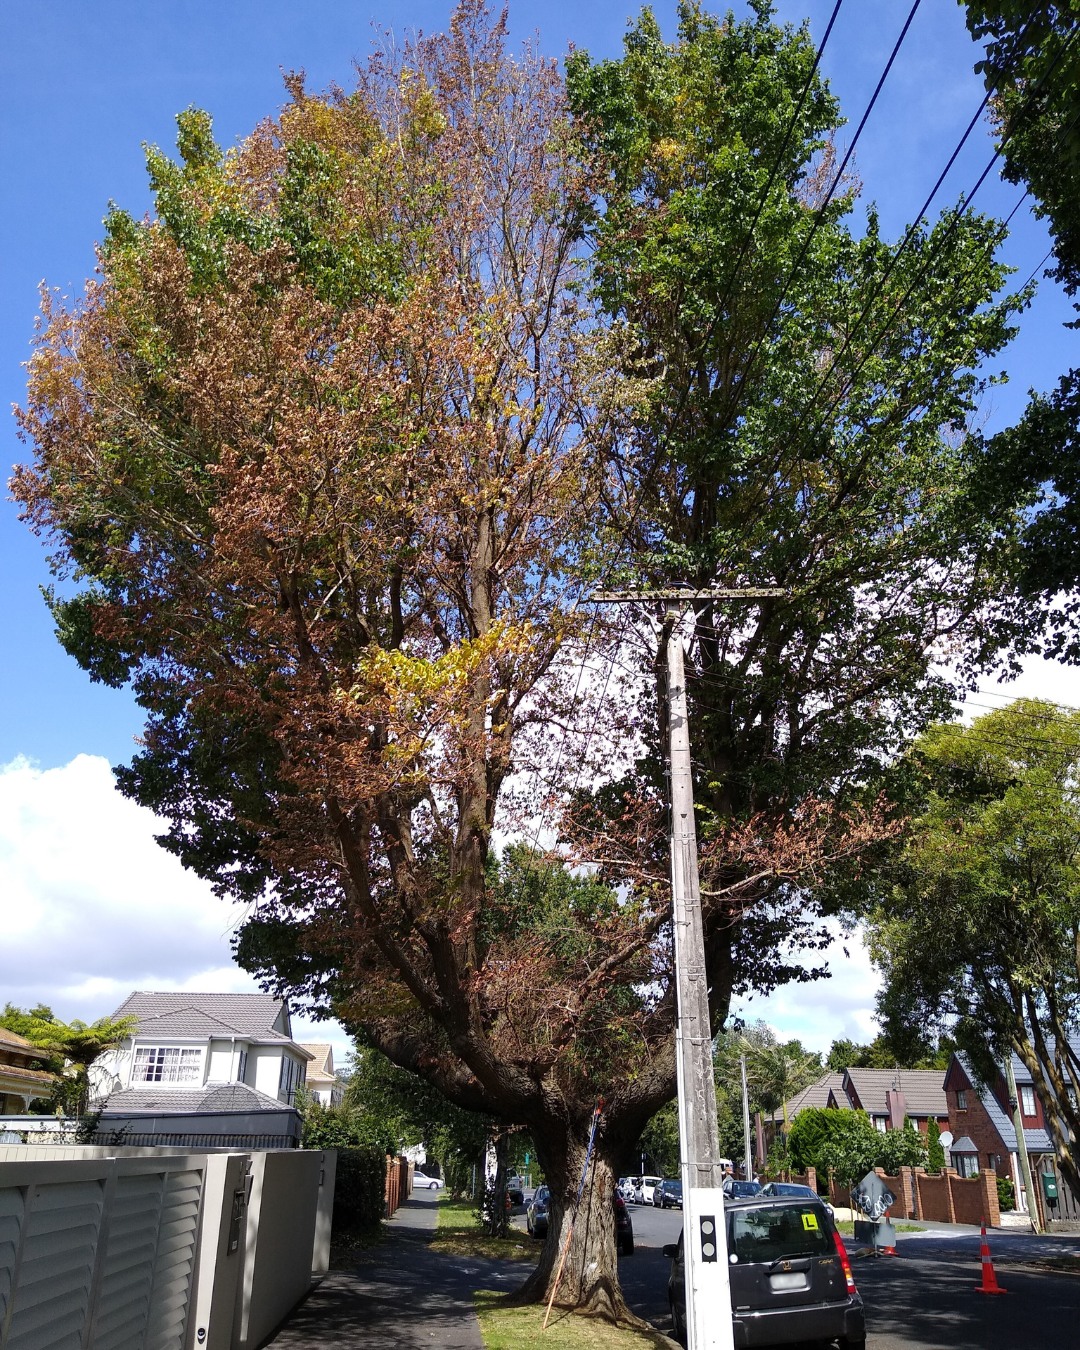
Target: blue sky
x: 82, y: 86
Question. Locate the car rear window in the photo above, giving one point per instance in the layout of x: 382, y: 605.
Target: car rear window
x: 772, y: 1232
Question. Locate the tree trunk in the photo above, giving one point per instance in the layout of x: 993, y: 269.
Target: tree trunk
x: 579, y: 1260
x: 498, y: 1212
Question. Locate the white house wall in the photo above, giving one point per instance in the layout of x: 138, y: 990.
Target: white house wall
x: 224, y: 1059
x: 264, y: 1073
x: 110, y: 1070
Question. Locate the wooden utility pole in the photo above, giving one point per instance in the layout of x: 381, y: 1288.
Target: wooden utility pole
x: 708, y: 1297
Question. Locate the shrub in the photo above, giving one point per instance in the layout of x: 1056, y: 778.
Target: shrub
x: 901, y: 1148
x: 360, y: 1189
x: 1006, y: 1194
x: 935, y: 1150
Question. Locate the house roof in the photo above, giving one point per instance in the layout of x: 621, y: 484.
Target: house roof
x: 817, y: 1094
x: 1038, y: 1141
x: 923, y: 1089
x: 212, y: 1098
x: 963, y: 1145
x: 194, y: 1016
x: 11, y: 1040
x: 16, y: 1073
x: 321, y: 1069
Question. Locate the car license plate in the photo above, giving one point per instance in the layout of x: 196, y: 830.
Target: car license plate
x: 796, y: 1279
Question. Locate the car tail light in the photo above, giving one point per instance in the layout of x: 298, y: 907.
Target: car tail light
x: 845, y: 1263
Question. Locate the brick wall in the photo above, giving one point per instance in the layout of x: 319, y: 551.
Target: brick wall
x: 949, y: 1198
x: 398, y: 1182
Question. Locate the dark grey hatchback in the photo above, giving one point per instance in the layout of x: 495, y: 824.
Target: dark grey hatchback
x: 790, y: 1276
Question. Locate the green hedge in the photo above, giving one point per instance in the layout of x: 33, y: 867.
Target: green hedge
x: 360, y: 1191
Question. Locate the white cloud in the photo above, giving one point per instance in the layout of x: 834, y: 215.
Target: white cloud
x: 92, y: 908
x: 823, y: 1011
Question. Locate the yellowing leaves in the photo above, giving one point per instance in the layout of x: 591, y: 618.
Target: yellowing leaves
x: 429, y: 703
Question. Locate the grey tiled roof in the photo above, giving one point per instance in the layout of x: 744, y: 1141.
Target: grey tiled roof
x: 923, y: 1089
x: 817, y: 1094
x: 169, y: 1101
x: 1038, y: 1141
x: 199, y: 1016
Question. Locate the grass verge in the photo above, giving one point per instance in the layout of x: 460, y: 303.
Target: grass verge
x: 522, y: 1329
x: 458, y: 1233
x: 846, y: 1227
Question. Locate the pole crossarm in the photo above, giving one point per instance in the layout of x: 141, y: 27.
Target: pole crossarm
x: 713, y: 593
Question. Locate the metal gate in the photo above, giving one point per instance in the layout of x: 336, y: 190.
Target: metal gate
x: 98, y: 1254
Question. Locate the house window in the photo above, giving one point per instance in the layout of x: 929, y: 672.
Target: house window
x: 166, y: 1064
x: 289, y: 1079
x: 966, y: 1164
x: 1027, y: 1101
x: 241, y: 1068
x: 961, y: 1099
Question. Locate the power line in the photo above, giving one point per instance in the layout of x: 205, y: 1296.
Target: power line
x: 930, y: 257
x: 744, y: 373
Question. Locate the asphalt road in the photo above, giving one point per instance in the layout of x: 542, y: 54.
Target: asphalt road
x: 924, y: 1298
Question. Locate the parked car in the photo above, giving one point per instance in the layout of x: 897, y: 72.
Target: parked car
x: 668, y: 1195
x: 539, y: 1210
x: 645, y: 1190
x: 422, y: 1179
x: 740, y: 1190
x: 536, y: 1213
x: 515, y: 1189
x: 795, y: 1188
x: 791, y: 1279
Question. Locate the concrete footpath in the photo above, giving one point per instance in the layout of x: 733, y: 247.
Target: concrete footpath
x: 398, y: 1296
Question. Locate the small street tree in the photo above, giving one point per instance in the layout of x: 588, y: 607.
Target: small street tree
x: 978, y: 926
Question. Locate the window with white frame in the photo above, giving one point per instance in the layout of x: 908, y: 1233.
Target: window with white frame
x: 166, y: 1064
x: 961, y: 1099
x: 1027, y: 1101
x: 241, y: 1068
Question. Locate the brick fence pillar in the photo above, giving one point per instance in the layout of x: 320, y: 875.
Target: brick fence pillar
x: 950, y: 1179
x: 916, y: 1197
x: 992, y: 1209
x: 907, y: 1193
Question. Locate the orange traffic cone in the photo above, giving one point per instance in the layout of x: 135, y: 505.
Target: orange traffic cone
x: 989, y: 1279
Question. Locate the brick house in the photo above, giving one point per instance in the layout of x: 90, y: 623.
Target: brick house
x: 888, y: 1095
x: 982, y: 1129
